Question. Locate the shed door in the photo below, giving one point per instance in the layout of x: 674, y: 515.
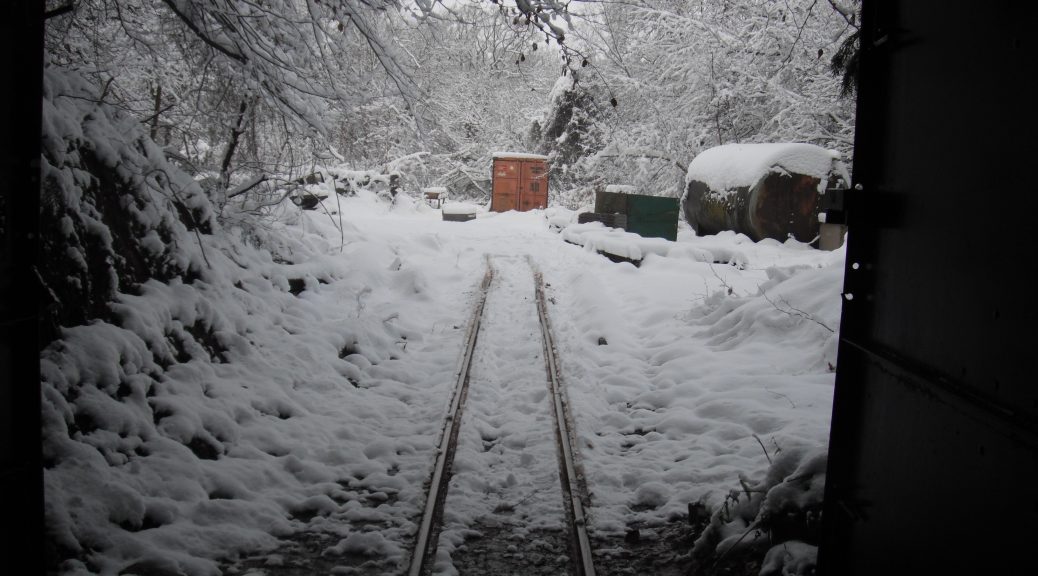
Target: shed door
x: 506, y: 186
x: 533, y: 185
x: 506, y: 169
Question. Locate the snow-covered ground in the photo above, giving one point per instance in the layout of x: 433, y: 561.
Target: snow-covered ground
x: 286, y: 404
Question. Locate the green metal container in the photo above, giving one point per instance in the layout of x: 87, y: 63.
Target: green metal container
x: 648, y: 216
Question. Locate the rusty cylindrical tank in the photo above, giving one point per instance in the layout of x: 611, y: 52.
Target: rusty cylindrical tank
x: 761, y: 190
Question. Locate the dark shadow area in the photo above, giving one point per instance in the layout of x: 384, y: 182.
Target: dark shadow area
x: 935, y: 423
x: 21, y: 470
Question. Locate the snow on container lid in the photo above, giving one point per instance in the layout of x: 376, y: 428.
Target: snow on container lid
x: 620, y: 189
x: 519, y: 156
x: 743, y: 165
x: 435, y: 189
x: 459, y: 208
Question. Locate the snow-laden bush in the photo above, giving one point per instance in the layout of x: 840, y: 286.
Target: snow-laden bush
x: 114, y: 211
x: 773, y: 524
x: 211, y: 384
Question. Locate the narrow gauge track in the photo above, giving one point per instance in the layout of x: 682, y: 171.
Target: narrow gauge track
x: 505, y: 488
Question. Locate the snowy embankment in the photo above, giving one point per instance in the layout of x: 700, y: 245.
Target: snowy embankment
x: 247, y: 387
x: 265, y: 392
x: 695, y: 371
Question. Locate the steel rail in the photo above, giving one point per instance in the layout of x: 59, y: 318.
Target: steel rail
x: 425, y: 545
x: 567, y: 470
x: 573, y: 492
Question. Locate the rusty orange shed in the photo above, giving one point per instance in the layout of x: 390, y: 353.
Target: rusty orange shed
x: 519, y: 182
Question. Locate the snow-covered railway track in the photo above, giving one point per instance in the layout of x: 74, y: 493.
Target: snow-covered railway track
x: 573, y: 489
x: 428, y: 530
x: 496, y: 456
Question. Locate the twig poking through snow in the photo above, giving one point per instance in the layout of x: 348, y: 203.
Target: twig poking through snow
x: 724, y: 282
x: 360, y: 304
x: 342, y: 233
x: 766, y: 455
x: 247, y: 185
x: 780, y: 395
x: 794, y: 311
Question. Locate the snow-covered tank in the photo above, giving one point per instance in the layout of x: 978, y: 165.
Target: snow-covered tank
x: 761, y: 190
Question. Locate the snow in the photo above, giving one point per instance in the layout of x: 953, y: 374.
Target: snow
x: 519, y: 156
x: 290, y: 393
x: 596, y: 237
x: 564, y: 83
x: 459, y: 208
x: 724, y: 168
x: 327, y: 404
x: 621, y: 188
x: 559, y: 217
x: 791, y: 558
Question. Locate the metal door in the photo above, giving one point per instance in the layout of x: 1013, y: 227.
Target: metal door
x: 506, y: 192
x: 652, y: 216
x: 934, y: 444
x: 533, y: 185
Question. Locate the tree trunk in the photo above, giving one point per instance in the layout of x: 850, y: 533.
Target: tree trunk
x: 225, y: 165
x: 157, y: 93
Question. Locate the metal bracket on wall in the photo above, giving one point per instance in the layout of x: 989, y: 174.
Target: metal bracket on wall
x: 833, y: 205
x: 880, y: 208
x: 3, y: 219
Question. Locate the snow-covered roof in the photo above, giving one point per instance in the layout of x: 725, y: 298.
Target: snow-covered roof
x: 520, y: 155
x: 435, y: 189
x: 621, y: 188
x: 737, y: 165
